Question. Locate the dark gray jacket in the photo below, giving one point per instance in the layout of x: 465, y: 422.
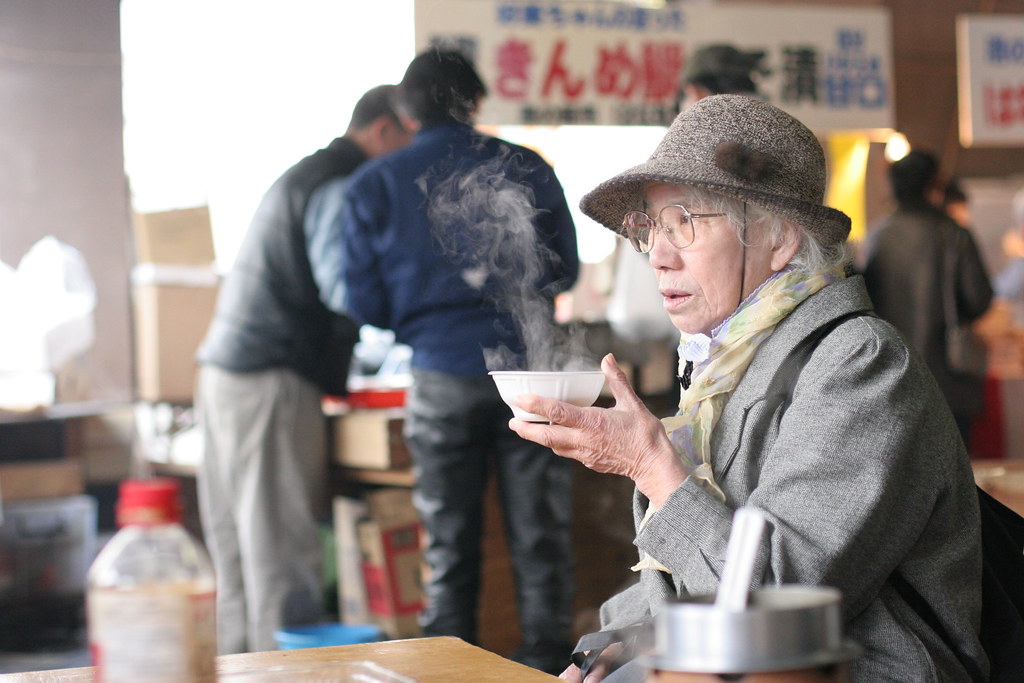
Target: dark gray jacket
x: 905, y: 274
x: 269, y: 311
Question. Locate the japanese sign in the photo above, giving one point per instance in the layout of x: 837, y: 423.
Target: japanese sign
x: 990, y: 79
x: 552, y: 62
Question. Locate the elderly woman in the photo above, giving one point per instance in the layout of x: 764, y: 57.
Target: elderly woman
x: 795, y: 400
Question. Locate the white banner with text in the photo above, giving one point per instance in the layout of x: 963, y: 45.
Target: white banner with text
x: 551, y: 62
x: 990, y: 79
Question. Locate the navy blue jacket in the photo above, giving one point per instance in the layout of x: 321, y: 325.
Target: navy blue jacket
x: 440, y: 240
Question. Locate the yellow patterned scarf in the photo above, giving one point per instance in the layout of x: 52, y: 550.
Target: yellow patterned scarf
x: 719, y: 363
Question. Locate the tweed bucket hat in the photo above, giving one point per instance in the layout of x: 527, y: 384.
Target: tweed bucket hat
x: 738, y: 146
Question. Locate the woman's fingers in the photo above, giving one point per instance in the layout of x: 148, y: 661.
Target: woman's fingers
x: 568, y: 415
x: 572, y: 674
x: 600, y: 668
x: 595, y: 675
x: 622, y: 390
x: 536, y: 432
x: 556, y: 412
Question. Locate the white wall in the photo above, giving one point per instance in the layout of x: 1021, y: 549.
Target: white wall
x: 221, y: 96
x: 61, y: 162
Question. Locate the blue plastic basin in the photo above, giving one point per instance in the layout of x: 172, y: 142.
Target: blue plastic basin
x: 322, y: 635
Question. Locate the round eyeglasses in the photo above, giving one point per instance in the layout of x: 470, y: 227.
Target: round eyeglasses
x: 673, y: 220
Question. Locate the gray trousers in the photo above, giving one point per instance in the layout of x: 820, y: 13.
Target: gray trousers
x: 456, y: 427
x: 262, y: 490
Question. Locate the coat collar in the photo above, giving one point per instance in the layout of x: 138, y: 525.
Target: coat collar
x: 846, y: 296
x: 841, y: 298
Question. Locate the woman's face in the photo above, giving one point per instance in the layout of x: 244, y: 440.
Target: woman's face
x: 704, y: 283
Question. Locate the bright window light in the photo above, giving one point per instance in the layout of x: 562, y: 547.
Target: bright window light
x: 221, y: 96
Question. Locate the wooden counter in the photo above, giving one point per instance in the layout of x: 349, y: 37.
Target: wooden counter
x: 425, y: 660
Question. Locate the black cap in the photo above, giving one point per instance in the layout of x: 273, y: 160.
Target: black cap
x: 724, y: 69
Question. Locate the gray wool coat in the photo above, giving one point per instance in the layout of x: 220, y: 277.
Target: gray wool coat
x: 862, y: 475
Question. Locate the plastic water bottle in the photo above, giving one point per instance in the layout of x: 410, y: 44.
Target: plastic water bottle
x: 151, y: 601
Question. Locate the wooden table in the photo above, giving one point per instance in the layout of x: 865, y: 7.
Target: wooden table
x: 425, y: 660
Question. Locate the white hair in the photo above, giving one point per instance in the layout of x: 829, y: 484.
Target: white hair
x: 751, y: 221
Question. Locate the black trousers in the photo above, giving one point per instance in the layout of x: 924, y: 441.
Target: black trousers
x: 456, y: 427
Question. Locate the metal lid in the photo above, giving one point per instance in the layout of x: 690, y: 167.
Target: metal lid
x: 787, y: 627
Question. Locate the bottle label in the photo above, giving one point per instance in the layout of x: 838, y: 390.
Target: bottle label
x: 154, y: 634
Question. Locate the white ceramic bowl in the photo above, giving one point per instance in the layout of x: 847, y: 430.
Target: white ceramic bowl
x: 578, y: 388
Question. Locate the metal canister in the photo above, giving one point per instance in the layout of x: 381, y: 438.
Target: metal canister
x: 786, y: 633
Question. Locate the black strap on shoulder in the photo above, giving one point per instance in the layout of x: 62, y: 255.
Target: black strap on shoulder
x: 790, y: 368
x: 1002, y: 588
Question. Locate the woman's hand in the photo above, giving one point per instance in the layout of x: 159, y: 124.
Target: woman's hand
x: 597, y: 671
x: 626, y: 439
x: 572, y: 674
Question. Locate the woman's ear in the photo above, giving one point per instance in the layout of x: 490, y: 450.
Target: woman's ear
x: 783, y: 252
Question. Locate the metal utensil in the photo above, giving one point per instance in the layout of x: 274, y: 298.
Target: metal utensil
x: 740, y: 555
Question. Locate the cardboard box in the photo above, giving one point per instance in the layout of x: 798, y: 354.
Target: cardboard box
x: 48, y: 479
x: 170, y: 323
x: 390, y: 542
x: 179, y: 236
x: 348, y: 513
x: 371, y: 439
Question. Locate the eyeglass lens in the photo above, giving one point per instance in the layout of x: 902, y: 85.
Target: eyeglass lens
x: 673, y: 220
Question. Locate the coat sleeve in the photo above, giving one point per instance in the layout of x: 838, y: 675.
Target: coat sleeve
x: 556, y: 227
x: 973, y: 287
x: 849, y: 475
x: 322, y: 226
x: 625, y: 608
x: 361, y: 222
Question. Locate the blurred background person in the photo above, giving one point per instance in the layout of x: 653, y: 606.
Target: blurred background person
x: 911, y: 257
x: 430, y: 233
x: 720, y: 69
x: 1009, y: 281
x: 277, y: 343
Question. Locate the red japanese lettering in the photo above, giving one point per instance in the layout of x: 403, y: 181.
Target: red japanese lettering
x: 662, y: 64
x: 1004, y: 106
x: 616, y: 72
x: 653, y: 72
x: 514, y: 58
x: 558, y: 74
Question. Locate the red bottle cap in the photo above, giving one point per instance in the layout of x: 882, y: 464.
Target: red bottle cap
x: 148, y: 501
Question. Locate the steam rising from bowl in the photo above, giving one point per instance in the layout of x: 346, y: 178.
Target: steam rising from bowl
x: 578, y: 388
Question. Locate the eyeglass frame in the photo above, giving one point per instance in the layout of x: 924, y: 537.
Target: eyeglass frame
x: 658, y: 226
